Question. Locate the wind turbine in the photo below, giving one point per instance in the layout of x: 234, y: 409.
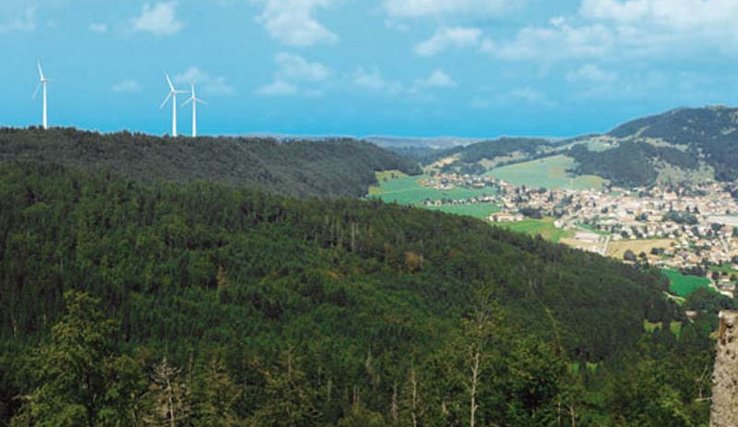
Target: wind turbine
x: 173, y: 96
x: 194, y: 100
x: 43, y: 81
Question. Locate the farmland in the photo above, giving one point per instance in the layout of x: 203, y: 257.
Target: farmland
x: 543, y: 227
x: 396, y: 187
x: 685, y: 285
x: 549, y: 172
x: 617, y: 249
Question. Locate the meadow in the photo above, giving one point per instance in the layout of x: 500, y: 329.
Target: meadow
x: 549, y: 172
x: 396, y: 187
x: 685, y: 285
x: 543, y: 227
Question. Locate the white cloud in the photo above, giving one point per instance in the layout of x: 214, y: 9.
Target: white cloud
x: 26, y: 21
x: 159, y: 19
x: 206, y: 84
x: 437, y: 79
x: 521, y: 97
x: 630, y: 30
x: 425, y: 8
x: 591, y: 74
x: 100, y: 28
x: 278, y: 88
x: 446, y: 38
x: 292, y: 72
x: 556, y: 42
x: 126, y: 86
x: 374, y: 81
x: 296, y: 68
x: 293, y: 22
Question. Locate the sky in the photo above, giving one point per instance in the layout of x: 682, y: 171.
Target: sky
x: 468, y: 68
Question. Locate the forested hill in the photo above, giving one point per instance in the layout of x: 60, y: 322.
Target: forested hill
x: 123, y: 303
x: 335, y: 167
x: 480, y: 156
x: 696, y: 143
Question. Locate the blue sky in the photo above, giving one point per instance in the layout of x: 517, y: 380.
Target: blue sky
x: 473, y: 68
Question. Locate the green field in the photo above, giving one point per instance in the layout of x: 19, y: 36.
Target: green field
x: 543, y: 227
x: 550, y: 172
x: 685, y: 285
x: 406, y: 190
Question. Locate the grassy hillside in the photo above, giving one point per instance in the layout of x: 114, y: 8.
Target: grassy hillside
x: 548, y: 172
x: 296, y: 168
x: 269, y: 311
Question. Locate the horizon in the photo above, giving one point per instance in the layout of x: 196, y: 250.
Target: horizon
x: 421, y: 69
x: 467, y: 140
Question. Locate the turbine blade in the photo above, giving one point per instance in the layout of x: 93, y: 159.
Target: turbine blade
x: 169, y: 81
x: 200, y: 101
x: 35, y: 92
x: 187, y: 102
x: 40, y: 71
x: 165, y: 100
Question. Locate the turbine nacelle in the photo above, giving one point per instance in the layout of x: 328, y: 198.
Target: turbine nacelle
x: 173, y: 92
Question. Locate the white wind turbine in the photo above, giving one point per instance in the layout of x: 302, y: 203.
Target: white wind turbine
x: 194, y: 100
x: 43, y: 81
x: 173, y: 96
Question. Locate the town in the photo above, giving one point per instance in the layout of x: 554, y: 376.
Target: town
x: 687, y: 229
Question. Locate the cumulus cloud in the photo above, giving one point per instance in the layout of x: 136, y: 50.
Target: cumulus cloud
x: 293, y: 22
x: 425, y: 8
x: 159, y: 19
x: 126, y: 86
x: 374, y: 81
x: 521, y: 97
x: 591, y: 73
x: 278, y: 88
x: 25, y: 21
x: 296, y: 68
x: 558, y: 41
x: 292, y: 72
x: 437, y: 79
x: 446, y: 38
x: 207, y: 84
x: 629, y: 29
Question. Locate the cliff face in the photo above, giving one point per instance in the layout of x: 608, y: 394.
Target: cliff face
x: 724, y: 411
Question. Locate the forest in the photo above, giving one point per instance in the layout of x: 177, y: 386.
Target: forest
x: 630, y: 164
x: 127, y: 303
x: 301, y: 168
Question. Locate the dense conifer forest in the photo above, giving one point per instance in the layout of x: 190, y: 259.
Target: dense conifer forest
x: 331, y: 167
x: 126, y: 303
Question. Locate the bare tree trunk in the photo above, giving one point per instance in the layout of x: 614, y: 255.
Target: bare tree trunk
x: 473, y: 392
x: 414, y: 399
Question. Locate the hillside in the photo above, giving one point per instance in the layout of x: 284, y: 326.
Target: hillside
x: 479, y: 157
x: 679, y: 145
x: 336, y: 167
x: 269, y: 311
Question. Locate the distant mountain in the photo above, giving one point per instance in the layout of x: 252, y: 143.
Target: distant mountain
x: 330, y: 167
x: 680, y: 146
x: 686, y: 144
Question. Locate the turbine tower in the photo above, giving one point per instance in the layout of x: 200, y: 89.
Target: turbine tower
x: 173, y: 96
x: 194, y: 100
x: 43, y: 81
